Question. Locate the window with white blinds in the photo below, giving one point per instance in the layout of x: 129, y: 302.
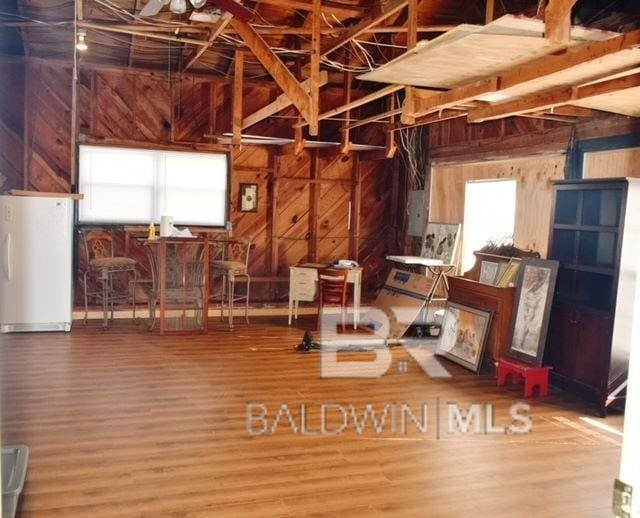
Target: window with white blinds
x: 137, y: 186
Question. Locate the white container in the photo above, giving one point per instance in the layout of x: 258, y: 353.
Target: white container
x: 166, y: 226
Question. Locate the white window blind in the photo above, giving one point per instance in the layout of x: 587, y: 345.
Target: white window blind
x: 123, y: 185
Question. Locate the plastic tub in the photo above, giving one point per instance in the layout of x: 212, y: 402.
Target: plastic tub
x: 14, y: 471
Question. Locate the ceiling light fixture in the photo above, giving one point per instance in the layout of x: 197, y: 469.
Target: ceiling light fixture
x: 81, y: 45
x: 178, y: 6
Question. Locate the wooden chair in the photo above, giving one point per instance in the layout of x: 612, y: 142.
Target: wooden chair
x: 332, y: 288
x: 101, y: 260
x: 232, y: 261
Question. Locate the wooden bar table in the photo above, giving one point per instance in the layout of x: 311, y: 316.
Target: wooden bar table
x: 180, y: 282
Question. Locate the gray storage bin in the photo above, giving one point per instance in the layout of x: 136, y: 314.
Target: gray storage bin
x: 14, y: 471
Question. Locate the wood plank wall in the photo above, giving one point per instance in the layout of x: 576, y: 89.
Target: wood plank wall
x: 613, y: 164
x: 304, y: 200
x: 11, y: 126
x: 529, y: 150
x: 533, y: 194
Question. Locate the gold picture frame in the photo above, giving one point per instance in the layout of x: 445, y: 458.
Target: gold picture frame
x: 510, y: 273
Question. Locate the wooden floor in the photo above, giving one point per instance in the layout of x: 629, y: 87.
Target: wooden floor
x: 127, y: 423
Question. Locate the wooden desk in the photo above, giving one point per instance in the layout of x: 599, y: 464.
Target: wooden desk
x: 303, y: 286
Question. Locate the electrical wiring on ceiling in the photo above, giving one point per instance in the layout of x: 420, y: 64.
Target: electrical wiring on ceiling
x: 360, y: 53
x: 15, y: 17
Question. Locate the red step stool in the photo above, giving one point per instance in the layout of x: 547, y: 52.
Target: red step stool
x: 532, y: 375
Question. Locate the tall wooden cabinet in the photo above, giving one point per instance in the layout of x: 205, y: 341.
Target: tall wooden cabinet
x: 596, y: 237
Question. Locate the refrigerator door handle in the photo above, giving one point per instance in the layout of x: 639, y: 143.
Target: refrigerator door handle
x: 7, y: 262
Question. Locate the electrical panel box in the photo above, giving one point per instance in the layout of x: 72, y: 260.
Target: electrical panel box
x: 416, y: 213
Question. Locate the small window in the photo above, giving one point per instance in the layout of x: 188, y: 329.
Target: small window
x: 137, y: 186
x: 489, y: 215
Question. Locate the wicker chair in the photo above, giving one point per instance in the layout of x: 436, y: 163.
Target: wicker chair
x: 101, y: 261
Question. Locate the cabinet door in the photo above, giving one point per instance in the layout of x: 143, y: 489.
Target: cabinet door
x: 593, y: 347
x: 562, y: 347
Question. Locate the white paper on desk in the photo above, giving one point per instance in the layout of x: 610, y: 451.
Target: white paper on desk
x: 185, y: 232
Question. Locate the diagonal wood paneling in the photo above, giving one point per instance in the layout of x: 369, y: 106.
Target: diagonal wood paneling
x: 48, y: 121
x: 11, y: 158
x: 292, y: 224
x: 11, y: 125
x: 132, y: 110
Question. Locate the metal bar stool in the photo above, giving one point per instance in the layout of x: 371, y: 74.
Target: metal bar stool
x: 233, y: 263
x: 102, y: 262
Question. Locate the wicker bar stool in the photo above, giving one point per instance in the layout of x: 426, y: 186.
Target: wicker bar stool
x: 233, y: 263
x: 102, y: 262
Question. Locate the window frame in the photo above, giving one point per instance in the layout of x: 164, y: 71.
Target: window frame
x: 124, y: 223
x: 485, y: 181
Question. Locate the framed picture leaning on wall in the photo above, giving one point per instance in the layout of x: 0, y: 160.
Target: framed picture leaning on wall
x: 536, y: 285
x: 464, y: 335
x: 440, y: 241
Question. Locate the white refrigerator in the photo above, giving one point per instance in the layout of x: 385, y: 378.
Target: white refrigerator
x: 36, y: 261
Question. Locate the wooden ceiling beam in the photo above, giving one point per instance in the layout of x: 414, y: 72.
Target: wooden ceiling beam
x: 549, y: 117
x: 557, y: 20
x: 536, y: 69
x: 549, y: 99
x: 489, y: 11
x: 153, y: 35
x: 428, y: 101
x: 575, y: 111
x: 346, y: 133
x: 236, y: 118
x: 412, y: 24
x: 280, y: 103
x: 264, y: 31
x: 431, y: 118
x: 216, y: 30
x: 374, y: 118
x: 275, y: 67
x: 384, y: 11
x: 314, y: 94
x: 306, y: 31
x: 537, y: 102
x: 391, y: 29
x: 358, y: 102
x: 334, y: 8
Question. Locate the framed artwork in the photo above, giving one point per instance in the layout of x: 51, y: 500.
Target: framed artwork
x: 488, y: 272
x: 536, y: 285
x: 440, y: 241
x: 248, y: 197
x: 509, y: 274
x: 464, y: 335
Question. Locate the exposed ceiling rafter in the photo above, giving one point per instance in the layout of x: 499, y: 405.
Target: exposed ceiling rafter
x: 376, y: 17
x: 276, y: 68
x: 552, y: 98
x: 216, y: 30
